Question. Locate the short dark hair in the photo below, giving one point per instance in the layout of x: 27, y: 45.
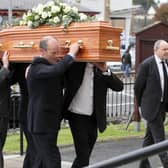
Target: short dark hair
x: 43, y: 43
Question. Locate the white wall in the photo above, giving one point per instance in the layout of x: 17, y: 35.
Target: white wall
x: 99, y: 5
x: 118, y: 5
x: 95, y: 5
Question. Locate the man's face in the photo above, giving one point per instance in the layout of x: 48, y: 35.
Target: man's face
x: 53, y: 52
x: 162, y: 51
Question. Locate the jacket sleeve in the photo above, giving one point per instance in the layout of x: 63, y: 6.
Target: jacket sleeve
x: 140, y: 82
x: 47, y: 71
x: 113, y: 82
x: 3, y: 74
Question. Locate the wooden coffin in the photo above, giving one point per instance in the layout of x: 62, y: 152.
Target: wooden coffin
x: 99, y: 41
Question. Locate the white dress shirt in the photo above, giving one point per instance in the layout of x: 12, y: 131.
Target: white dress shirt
x: 82, y: 102
x: 160, y: 69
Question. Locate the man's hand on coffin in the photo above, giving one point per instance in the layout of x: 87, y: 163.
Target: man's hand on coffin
x: 5, y: 60
x: 73, y: 49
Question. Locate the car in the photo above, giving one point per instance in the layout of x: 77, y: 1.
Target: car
x: 114, y: 66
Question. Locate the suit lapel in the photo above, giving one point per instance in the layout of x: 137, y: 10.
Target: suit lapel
x: 156, y: 70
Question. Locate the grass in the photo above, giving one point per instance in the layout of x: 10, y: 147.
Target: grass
x: 113, y: 132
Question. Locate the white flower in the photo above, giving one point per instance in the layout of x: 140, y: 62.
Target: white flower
x: 29, y: 13
x: 75, y: 9
x: 55, y: 9
x: 65, y: 17
x: 29, y: 23
x: 21, y: 22
x: 52, y: 13
x: 56, y: 19
x: 39, y: 9
x: 34, y: 9
x: 44, y: 15
x: 67, y: 9
x: 24, y: 16
x: 63, y: 4
x: 49, y: 14
x: 83, y: 16
x: 36, y: 17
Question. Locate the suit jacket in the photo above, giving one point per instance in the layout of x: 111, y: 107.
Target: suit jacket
x: 74, y: 76
x: 4, y: 92
x: 19, y: 76
x: 147, y: 88
x: 44, y: 82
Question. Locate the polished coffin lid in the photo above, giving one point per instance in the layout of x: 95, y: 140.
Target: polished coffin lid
x: 99, y: 41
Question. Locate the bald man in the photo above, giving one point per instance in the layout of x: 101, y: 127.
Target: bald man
x: 150, y: 94
x: 45, y: 89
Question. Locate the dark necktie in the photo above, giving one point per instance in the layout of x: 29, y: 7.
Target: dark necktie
x: 165, y: 95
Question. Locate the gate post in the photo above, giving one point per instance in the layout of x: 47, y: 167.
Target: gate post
x: 136, y: 117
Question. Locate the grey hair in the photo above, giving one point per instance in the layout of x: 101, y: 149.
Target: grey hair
x: 44, y: 42
x: 157, y: 44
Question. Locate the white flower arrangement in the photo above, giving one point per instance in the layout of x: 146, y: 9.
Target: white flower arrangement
x: 52, y: 13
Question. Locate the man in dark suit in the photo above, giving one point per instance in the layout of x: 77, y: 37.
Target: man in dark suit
x: 45, y: 89
x: 19, y: 76
x: 149, y: 92
x: 9, y: 75
x: 85, y: 105
x: 4, y: 102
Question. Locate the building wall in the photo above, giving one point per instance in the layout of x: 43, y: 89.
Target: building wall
x: 100, y: 5
x: 95, y: 5
x: 116, y: 4
x: 124, y: 20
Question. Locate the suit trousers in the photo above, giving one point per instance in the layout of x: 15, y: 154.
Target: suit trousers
x: 155, y: 133
x: 30, y: 150
x: 48, y: 155
x: 3, y: 134
x: 84, y: 132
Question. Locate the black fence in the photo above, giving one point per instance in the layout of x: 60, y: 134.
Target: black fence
x: 120, y: 105
x: 14, y: 110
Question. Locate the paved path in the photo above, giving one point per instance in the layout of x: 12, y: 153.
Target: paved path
x: 102, y: 151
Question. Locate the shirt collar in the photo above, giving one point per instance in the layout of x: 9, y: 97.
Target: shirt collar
x: 158, y: 60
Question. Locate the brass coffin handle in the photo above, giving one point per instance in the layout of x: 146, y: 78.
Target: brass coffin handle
x: 110, y: 45
x: 80, y: 42
x: 22, y: 45
x: 68, y: 43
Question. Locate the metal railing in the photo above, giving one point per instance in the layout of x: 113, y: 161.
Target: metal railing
x: 132, y: 156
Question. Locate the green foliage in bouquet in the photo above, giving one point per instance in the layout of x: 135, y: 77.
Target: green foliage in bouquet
x: 54, y: 13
